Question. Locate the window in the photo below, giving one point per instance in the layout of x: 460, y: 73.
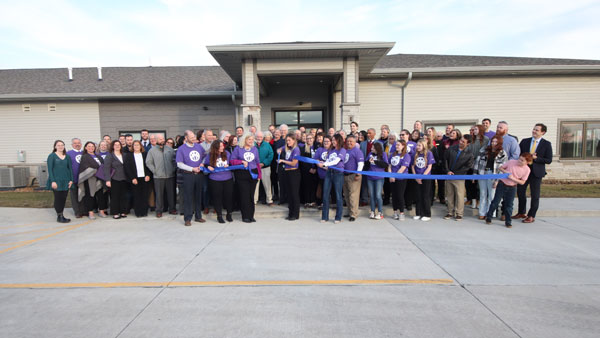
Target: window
x: 463, y: 126
x: 297, y: 118
x: 580, y: 140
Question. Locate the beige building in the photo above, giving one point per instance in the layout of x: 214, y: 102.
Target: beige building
x: 308, y: 84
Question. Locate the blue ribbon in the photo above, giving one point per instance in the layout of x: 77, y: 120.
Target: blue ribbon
x: 232, y: 167
x: 409, y: 176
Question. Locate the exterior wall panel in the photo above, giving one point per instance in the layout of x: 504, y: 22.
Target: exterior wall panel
x: 35, y: 131
x: 174, y: 116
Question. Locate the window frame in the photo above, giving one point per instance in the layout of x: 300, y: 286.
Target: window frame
x: 559, y: 135
x: 298, y: 111
x: 150, y: 132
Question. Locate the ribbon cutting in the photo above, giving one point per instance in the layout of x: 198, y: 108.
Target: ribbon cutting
x: 410, y: 176
x: 231, y: 167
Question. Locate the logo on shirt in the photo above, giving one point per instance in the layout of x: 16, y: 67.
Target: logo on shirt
x: 249, y: 156
x: 103, y: 156
x: 420, y: 162
x: 221, y: 163
x: 347, y: 158
x: 288, y: 153
x: 324, y: 156
x: 78, y: 158
x: 332, y: 157
x: 194, y: 156
x: 97, y: 160
x: 395, y: 160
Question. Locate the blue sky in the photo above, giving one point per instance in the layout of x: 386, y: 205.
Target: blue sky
x: 62, y: 33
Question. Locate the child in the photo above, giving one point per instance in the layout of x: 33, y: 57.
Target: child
x: 507, y: 187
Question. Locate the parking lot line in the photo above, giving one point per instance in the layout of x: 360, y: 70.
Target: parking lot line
x: 24, y: 243
x: 226, y: 283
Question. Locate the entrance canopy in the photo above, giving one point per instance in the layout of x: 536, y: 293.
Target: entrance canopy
x: 367, y: 54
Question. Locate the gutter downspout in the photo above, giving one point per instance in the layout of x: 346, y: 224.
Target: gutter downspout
x: 402, y: 87
x: 237, y: 113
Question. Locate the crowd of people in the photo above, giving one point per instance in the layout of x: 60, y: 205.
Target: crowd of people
x: 196, y: 172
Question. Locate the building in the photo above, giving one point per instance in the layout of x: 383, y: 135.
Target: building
x: 326, y: 84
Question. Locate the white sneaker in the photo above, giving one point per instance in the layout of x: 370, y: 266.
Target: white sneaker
x: 379, y: 216
x: 474, y: 204
x: 336, y: 222
x: 402, y: 217
x: 416, y: 218
x: 425, y: 219
x: 372, y: 215
x: 323, y: 221
x: 396, y: 216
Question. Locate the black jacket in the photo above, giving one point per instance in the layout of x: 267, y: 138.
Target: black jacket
x: 544, y: 155
x: 130, y: 167
x: 460, y: 165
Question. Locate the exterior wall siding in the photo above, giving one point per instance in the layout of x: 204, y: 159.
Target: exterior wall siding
x: 174, y: 116
x: 521, y: 101
x: 35, y: 131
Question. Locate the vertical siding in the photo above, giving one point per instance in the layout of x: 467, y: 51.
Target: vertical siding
x: 522, y: 102
x: 35, y: 131
x: 174, y: 116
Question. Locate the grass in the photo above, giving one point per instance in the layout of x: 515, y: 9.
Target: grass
x: 29, y: 198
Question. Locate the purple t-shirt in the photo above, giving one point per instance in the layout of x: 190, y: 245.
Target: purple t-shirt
x: 353, y: 156
x: 375, y: 167
x: 75, y: 160
x: 222, y: 175
x: 489, y: 134
x: 321, y: 155
x: 191, y: 156
x: 398, y: 161
x: 250, y: 156
x: 341, y: 154
x: 290, y: 155
x: 421, y: 166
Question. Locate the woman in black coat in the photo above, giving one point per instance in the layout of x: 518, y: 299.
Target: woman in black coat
x: 139, y: 175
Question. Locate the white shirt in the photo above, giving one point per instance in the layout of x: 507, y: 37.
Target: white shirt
x: 139, y: 164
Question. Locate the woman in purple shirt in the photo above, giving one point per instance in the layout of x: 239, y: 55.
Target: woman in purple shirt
x: 321, y: 155
x: 399, y: 162
x: 377, y: 161
x: 422, y: 164
x: 335, y: 177
x: 291, y: 175
x: 246, y: 154
x: 220, y: 184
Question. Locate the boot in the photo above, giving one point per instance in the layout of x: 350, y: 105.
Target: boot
x: 62, y: 219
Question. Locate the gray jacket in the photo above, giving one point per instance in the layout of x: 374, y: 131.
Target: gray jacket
x: 161, y: 161
x: 112, y: 164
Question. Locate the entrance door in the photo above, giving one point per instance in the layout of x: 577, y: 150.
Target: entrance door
x: 299, y: 118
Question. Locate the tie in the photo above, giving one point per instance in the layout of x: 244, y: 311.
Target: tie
x: 533, y: 146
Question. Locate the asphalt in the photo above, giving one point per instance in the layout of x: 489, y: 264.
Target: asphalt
x: 152, y: 277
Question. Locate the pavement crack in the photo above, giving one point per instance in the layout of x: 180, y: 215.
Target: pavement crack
x: 570, y: 229
x: 491, y: 311
x: 171, y: 281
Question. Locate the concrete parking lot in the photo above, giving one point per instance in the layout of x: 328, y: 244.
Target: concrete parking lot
x: 156, y: 278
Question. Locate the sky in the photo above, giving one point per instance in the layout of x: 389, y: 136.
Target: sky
x: 108, y: 33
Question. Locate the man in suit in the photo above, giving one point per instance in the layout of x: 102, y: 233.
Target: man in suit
x: 145, y: 138
x: 541, y: 150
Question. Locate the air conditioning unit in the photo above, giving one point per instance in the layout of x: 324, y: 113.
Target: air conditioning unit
x: 16, y: 177
x: 42, y: 176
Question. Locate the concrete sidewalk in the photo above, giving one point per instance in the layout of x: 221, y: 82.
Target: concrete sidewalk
x: 152, y: 277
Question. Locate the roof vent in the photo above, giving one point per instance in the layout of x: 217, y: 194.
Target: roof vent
x: 70, y: 73
x: 51, y: 106
x: 26, y: 107
x: 99, y: 73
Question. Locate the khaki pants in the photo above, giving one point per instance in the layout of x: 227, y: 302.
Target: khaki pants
x: 266, y: 183
x: 455, y: 197
x: 352, y: 194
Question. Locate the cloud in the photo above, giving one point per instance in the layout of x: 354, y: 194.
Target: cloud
x: 176, y: 32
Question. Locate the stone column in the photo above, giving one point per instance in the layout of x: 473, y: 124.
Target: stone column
x: 251, y: 95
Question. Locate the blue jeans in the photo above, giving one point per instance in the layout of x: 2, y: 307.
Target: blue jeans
x: 486, y: 194
x: 506, y: 193
x: 375, y: 187
x: 335, y: 178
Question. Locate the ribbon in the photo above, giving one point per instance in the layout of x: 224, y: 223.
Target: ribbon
x: 409, y: 176
x: 231, y: 167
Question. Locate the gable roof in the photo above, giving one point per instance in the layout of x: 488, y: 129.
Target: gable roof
x: 116, y: 82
